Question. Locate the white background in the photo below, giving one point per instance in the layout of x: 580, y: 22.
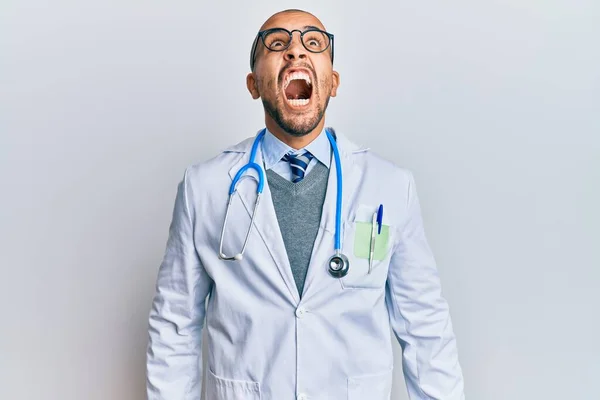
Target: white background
x: 495, y: 106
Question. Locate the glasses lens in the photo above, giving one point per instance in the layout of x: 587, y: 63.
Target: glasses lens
x: 277, y: 40
x: 315, y: 41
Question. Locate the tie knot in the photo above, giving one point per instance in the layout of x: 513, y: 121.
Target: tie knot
x: 298, y: 163
x: 305, y: 156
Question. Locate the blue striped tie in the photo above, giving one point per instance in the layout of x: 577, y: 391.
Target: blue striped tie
x: 299, y: 163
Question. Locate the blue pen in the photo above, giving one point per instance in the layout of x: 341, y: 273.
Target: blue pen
x: 379, y: 218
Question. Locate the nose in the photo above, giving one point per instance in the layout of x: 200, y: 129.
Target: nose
x: 296, y: 50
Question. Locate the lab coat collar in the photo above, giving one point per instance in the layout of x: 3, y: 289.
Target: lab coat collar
x: 345, y: 145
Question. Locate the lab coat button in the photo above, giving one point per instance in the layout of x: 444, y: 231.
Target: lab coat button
x: 300, y: 311
x: 302, y: 396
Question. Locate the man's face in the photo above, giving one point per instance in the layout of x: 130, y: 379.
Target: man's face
x: 295, y: 84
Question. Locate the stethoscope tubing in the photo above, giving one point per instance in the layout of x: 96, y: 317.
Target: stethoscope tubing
x: 338, y: 258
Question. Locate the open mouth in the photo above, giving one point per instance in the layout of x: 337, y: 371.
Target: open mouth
x: 297, y: 87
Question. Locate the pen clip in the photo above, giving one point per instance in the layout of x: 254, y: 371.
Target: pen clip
x: 372, y: 241
x: 379, y: 219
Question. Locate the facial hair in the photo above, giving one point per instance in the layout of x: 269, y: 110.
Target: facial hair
x: 296, y: 126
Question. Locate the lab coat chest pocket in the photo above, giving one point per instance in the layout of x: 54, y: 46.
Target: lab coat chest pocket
x: 357, y: 244
x: 218, y: 388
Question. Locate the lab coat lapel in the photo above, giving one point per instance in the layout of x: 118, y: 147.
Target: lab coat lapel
x: 318, y: 276
x: 265, y: 221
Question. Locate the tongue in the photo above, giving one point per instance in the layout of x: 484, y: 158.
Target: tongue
x: 297, y: 89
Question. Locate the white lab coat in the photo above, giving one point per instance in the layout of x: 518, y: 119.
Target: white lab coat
x: 265, y: 341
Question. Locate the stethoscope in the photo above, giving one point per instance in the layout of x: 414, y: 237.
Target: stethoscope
x: 338, y: 262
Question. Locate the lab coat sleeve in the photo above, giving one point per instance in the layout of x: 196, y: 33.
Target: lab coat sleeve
x: 174, y: 353
x: 419, y: 315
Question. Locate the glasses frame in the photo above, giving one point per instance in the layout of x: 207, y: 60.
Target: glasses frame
x: 261, y: 35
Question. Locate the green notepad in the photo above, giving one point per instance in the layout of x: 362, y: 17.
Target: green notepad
x: 362, y: 241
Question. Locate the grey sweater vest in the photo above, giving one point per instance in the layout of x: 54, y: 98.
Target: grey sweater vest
x: 298, y: 208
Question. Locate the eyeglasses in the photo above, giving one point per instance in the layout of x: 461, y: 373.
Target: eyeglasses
x: 279, y: 39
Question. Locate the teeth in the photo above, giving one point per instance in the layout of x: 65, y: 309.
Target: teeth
x: 298, y: 102
x: 297, y: 75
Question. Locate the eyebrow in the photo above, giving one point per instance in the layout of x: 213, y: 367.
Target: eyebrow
x: 311, y: 27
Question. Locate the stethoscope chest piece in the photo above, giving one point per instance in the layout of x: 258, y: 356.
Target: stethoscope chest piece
x: 338, y: 265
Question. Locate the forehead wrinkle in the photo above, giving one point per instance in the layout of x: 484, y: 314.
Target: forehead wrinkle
x: 270, y: 23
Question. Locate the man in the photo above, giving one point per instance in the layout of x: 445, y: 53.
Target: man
x: 283, y: 321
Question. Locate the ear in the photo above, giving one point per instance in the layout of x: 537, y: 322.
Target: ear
x: 251, y: 85
x: 335, y: 82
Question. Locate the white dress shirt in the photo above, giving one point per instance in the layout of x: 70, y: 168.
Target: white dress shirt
x: 274, y: 149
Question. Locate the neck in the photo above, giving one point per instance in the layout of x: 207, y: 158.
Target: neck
x: 295, y: 142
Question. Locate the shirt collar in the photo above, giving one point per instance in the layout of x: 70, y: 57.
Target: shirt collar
x: 274, y: 149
